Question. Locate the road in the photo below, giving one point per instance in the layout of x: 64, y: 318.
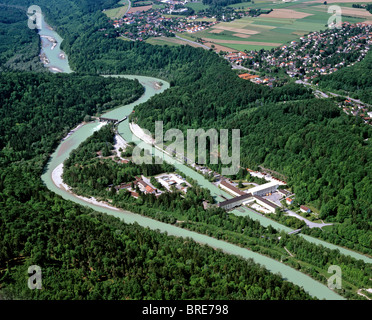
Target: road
x: 199, y: 44
x: 129, y: 6
x: 309, y: 223
x: 235, y: 66
x: 324, y: 95
x: 352, y: 99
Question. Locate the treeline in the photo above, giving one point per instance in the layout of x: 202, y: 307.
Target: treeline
x: 86, y: 255
x: 223, y: 3
x: 367, y: 6
x: 354, y: 81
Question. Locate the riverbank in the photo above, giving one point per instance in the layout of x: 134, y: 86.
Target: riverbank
x: 120, y: 143
x: 138, y: 132
x: 310, y: 285
x: 317, y: 289
x: 58, y: 181
x: 51, y: 54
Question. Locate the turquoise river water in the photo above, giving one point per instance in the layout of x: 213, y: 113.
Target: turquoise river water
x: 62, y: 152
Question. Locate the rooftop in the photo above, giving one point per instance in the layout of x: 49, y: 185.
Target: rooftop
x: 232, y: 188
x: 233, y: 200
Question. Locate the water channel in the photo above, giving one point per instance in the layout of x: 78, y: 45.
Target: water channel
x: 62, y: 152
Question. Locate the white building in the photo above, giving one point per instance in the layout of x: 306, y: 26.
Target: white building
x: 264, y: 189
x: 231, y: 189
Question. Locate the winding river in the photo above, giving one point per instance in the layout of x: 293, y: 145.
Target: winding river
x: 310, y: 285
x: 57, y: 60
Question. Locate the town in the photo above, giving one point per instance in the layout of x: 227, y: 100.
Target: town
x: 353, y: 108
x: 171, y: 17
x: 318, y: 53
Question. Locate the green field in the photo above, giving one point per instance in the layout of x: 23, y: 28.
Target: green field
x: 161, y: 42
x: 119, y: 12
x: 274, y: 30
x: 159, y: 6
x: 242, y: 47
x: 170, y: 41
x: 197, y: 6
x: 270, y: 31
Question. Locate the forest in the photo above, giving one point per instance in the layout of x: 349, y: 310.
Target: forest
x: 83, y: 254
x: 33, y: 102
x: 204, y: 92
x: 325, y: 155
x: 223, y: 3
x: 91, y: 175
x: 19, y: 45
x: 354, y: 81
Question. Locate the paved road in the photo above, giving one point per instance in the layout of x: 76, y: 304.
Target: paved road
x: 234, y: 66
x: 199, y: 44
x: 129, y: 6
x: 352, y: 99
x: 332, y: 94
x: 322, y: 94
x: 309, y: 223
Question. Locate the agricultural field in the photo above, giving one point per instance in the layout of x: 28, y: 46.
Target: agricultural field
x: 197, y: 6
x: 142, y: 8
x: 287, y: 22
x: 118, y: 12
x: 170, y: 41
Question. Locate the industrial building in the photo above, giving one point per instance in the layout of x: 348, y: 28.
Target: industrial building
x: 231, y: 189
x: 234, y: 202
x: 265, y: 189
x: 253, y: 195
x: 266, y: 203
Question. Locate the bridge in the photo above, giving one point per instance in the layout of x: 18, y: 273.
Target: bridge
x: 102, y: 119
x: 295, y: 231
x: 115, y: 121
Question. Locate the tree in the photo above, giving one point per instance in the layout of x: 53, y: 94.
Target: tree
x: 240, y: 184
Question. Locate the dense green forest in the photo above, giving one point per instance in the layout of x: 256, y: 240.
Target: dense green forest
x: 354, y: 81
x: 204, y: 93
x: 223, y: 2
x: 90, y: 175
x: 86, y: 255
x: 324, y: 154
x: 32, y: 102
x: 19, y: 45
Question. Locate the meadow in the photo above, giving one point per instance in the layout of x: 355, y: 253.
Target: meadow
x: 117, y: 13
x: 170, y: 41
x: 287, y: 22
x: 197, y: 6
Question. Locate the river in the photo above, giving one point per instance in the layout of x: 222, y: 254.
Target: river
x: 51, y: 49
x: 62, y: 152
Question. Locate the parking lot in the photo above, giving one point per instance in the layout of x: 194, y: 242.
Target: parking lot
x: 274, y: 197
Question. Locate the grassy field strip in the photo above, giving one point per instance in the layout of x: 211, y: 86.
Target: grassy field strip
x: 117, y: 13
x: 169, y: 41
